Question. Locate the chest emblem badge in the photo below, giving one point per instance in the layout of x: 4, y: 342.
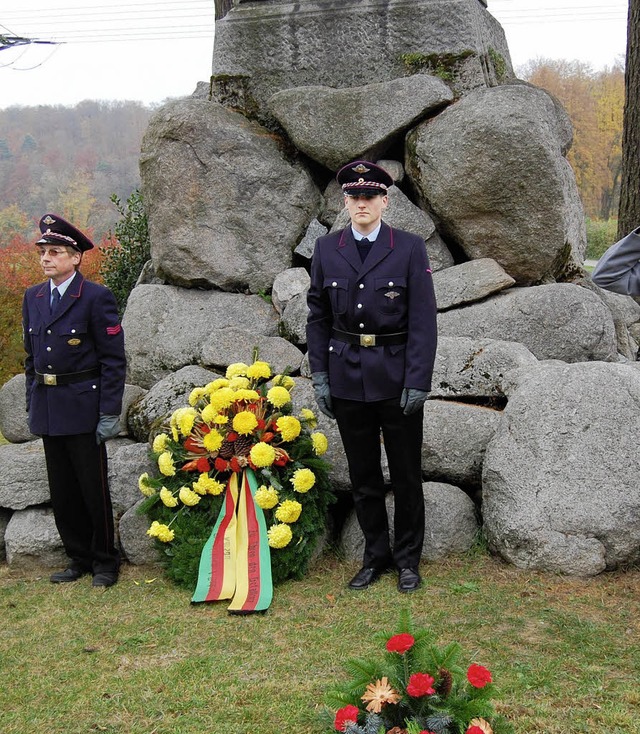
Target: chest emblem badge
x: 391, y: 294
x: 74, y: 342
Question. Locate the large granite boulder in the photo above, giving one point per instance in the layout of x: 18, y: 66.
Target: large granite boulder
x: 555, y: 321
x: 167, y: 327
x: 560, y: 478
x: 314, y: 117
x: 13, y: 414
x: 127, y: 461
x: 32, y: 540
x: 237, y: 345
x: 491, y: 167
x: 451, y: 524
x: 23, y: 475
x: 138, y: 548
x: 225, y: 207
x: 468, y: 282
x: 349, y: 44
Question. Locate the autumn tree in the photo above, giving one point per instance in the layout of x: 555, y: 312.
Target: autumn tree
x: 629, y: 212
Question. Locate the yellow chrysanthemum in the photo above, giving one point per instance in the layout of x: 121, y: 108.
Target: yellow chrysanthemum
x: 303, y: 480
x: 165, y: 464
x: 188, y: 496
x: 196, y: 394
x: 284, y: 381
x: 309, y: 417
x: 235, y: 369
x: 207, y: 485
x: 209, y: 413
x: 289, y: 511
x: 161, y: 532
x: 160, y: 443
x: 184, y: 419
x: 262, y: 454
x: 167, y: 498
x: 216, y: 385
x: 212, y: 440
x: 320, y: 443
x: 144, y: 486
x: 174, y: 433
x: 266, y: 497
x: 259, y: 369
x: 278, y: 396
x: 289, y: 427
x: 244, y: 422
x: 221, y: 419
x: 223, y: 398
x: 279, y: 535
x: 239, y: 383
x: 247, y: 395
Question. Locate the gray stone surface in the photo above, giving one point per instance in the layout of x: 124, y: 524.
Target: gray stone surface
x: 560, y: 477
x: 403, y: 214
x: 289, y: 283
x: 13, y: 415
x: 137, y: 547
x: 478, y: 368
x: 492, y: 170
x: 454, y: 439
x: 23, y: 475
x: 5, y: 516
x: 469, y: 282
x: 626, y: 315
x: 451, y: 525
x: 225, y: 207
x: 127, y: 461
x: 555, y: 321
x: 231, y: 345
x: 32, y: 540
x: 166, y: 326
x: 294, y: 319
x: 379, y: 113
x: 350, y: 44
x: 164, y: 397
x: 307, y: 244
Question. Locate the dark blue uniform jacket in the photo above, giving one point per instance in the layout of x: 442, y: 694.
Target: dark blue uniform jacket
x: 392, y: 291
x: 84, y: 334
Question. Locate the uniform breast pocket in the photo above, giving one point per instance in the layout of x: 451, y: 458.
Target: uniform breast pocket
x: 391, y: 294
x: 75, y: 335
x: 338, y: 292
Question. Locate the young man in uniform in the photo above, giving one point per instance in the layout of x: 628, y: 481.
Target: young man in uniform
x: 371, y: 336
x: 75, y: 375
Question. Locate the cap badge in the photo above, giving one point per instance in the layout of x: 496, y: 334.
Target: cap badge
x: 49, y: 220
x: 361, y: 169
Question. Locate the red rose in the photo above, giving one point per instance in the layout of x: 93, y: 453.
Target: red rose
x: 400, y: 643
x: 420, y: 684
x: 344, y: 715
x: 474, y: 730
x: 478, y: 676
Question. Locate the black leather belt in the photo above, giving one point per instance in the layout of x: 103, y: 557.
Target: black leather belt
x: 67, y: 377
x: 370, y: 340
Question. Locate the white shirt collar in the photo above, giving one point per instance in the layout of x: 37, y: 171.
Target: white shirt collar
x: 372, y: 236
x: 62, y: 287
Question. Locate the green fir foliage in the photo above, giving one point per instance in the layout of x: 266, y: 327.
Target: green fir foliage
x: 122, y: 263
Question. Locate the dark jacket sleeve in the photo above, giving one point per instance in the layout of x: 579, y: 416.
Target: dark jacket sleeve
x: 320, y: 317
x: 618, y: 270
x: 108, y: 337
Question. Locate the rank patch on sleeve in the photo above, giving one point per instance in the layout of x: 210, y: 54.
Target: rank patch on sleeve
x: 113, y: 330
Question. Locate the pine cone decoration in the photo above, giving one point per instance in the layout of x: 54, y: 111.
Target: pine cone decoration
x: 445, y: 683
x: 242, y: 446
x: 226, y: 450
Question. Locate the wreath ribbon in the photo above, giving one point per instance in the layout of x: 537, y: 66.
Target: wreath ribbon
x: 236, y: 562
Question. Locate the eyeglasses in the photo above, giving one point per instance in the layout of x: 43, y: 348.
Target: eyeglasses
x: 53, y: 251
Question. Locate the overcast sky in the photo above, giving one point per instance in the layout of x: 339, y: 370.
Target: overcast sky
x: 150, y: 51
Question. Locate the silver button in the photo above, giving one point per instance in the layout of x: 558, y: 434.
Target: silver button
x: 359, y: 305
x: 30, y: 329
x: 49, y: 367
x: 73, y: 331
x: 95, y: 387
x: 390, y: 283
x: 48, y: 349
x: 361, y: 286
x: 361, y: 326
x: 334, y: 284
x: 331, y: 349
x: 48, y: 331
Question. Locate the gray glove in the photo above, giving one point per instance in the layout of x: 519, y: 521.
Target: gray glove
x: 412, y: 400
x: 108, y: 427
x: 320, y: 382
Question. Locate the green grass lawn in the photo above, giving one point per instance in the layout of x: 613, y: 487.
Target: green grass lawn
x: 140, y: 659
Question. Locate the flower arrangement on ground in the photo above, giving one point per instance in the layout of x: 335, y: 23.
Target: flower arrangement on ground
x: 415, y: 687
x: 239, y: 427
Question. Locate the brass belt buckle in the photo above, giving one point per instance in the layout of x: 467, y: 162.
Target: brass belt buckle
x: 50, y: 380
x: 367, y: 340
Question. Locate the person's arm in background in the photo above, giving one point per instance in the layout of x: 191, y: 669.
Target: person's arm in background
x: 618, y: 270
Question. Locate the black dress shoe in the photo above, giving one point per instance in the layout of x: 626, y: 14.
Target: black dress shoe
x: 69, y: 574
x: 408, y: 580
x: 104, y: 580
x: 364, y: 578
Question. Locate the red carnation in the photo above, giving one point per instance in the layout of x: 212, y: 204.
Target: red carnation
x: 203, y: 465
x: 478, y: 676
x: 234, y: 465
x: 232, y: 436
x: 261, y: 424
x: 221, y: 464
x: 475, y: 730
x: 345, y: 715
x: 420, y: 684
x: 400, y: 643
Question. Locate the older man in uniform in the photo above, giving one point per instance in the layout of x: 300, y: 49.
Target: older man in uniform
x: 75, y: 374
x: 371, y: 335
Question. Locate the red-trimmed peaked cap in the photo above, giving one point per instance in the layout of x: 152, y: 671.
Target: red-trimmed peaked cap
x: 57, y: 231
x: 363, y: 177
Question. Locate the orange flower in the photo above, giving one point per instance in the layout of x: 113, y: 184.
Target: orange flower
x: 378, y: 694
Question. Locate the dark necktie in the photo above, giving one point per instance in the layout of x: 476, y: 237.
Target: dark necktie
x: 364, y: 247
x: 55, y: 300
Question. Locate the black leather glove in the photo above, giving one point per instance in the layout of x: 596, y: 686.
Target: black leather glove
x: 320, y: 382
x: 412, y: 400
x: 108, y: 427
